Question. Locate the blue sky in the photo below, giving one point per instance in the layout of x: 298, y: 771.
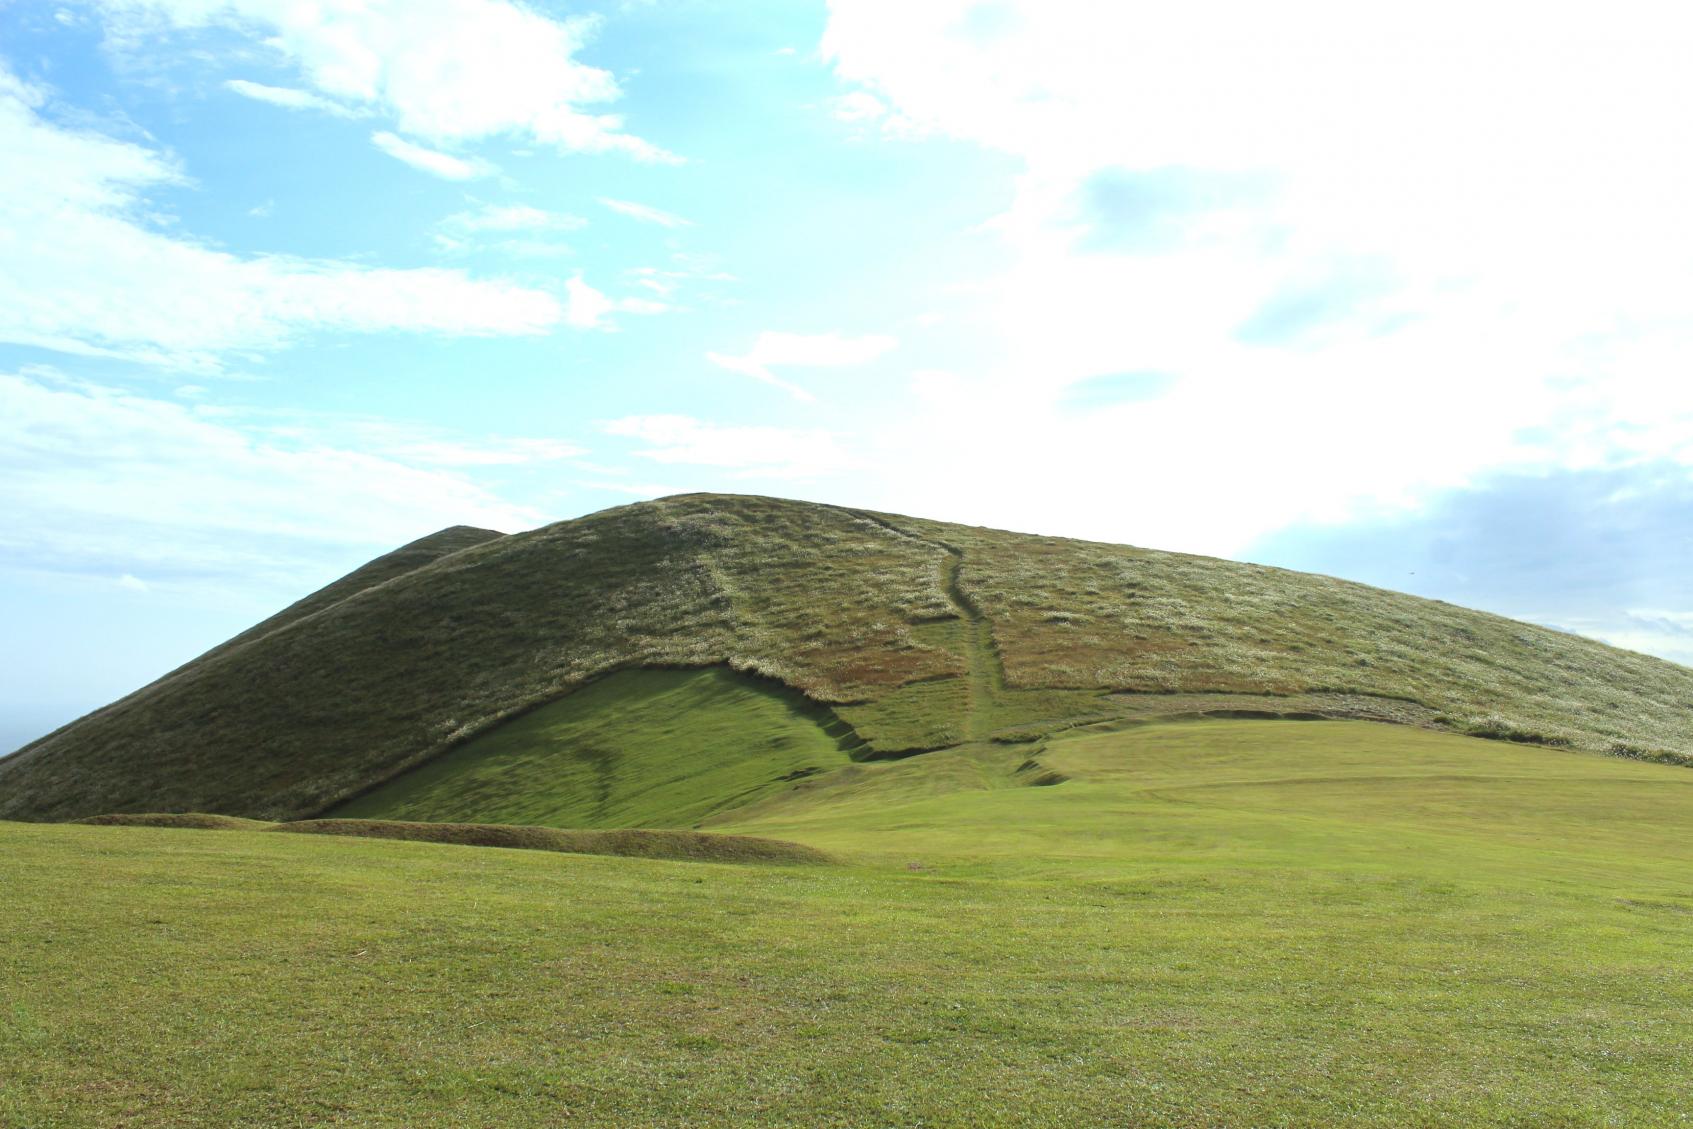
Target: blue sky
x: 283, y: 286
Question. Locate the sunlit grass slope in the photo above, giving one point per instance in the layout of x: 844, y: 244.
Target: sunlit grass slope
x: 1208, y: 794
x: 641, y: 748
x: 921, y: 635
x: 1208, y: 923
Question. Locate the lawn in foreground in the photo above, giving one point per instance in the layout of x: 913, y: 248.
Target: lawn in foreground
x: 1272, y: 923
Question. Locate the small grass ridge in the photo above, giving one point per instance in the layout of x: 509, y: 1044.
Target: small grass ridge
x: 696, y: 846
x: 190, y: 820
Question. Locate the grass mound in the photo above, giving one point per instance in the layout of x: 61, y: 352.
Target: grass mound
x: 195, y: 820
x: 693, y: 846
x: 920, y: 635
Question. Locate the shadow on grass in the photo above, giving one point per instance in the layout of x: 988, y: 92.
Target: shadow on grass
x: 627, y: 842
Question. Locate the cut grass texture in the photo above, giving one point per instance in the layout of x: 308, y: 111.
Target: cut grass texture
x: 693, y: 845
x: 1210, y: 923
x: 640, y: 748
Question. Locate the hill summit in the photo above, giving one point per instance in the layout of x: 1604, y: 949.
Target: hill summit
x: 823, y: 635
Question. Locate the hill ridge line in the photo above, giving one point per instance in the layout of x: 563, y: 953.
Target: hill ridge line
x: 238, y: 642
x: 247, y: 639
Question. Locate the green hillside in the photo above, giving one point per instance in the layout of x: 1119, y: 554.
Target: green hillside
x: 639, y: 748
x: 915, y: 634
x: 1208, y: 923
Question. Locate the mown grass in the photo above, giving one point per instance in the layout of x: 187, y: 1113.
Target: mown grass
x: 1209, y: 923
x: 638, y: 748
x: 921, y: 634
x: 647, y: 844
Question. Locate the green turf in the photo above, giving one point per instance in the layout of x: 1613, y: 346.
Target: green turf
x: 641, y: 748
x: 627, y: 842
x: 1208, y: 924
x: 188, y: 820
x: 630, y: 842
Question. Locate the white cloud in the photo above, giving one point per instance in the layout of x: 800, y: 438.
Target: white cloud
x: 667, y: 282
x: 132, y: 583
x: 771, y: 452
x: 102, y: 479
x: 644, y: 213
x: 499, y: 452
x: 432, y: 161
x: 645, y: 490
x: 447, y: 71
x: 1679, y: 621
x: 857, y: 106
x: 512, y: 217
x: 91, y: 277
x: 802, y: 350
x: 511, y: 229
x: 589, y: 308
x: 1652, y: 631
x: 287, y: 97
x: 1374, y: 258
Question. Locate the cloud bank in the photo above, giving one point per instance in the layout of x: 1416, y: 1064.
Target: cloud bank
x: 93, y: 277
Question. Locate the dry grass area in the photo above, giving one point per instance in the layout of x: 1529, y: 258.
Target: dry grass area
x: 920, y: 634
x: 1080, y: 614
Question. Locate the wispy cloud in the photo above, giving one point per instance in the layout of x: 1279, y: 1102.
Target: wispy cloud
x: 801, y: 350
x: 591, y: 308
x: 432, y: 161
x: 512, y: 217
x: 858, y: 106
x: 109, y: 482
x: 513, y: 229
x: 510, y: 69
x: 287, y: 97
x: 644, y: 213
x: 101, y: 281
x: 774, y: 452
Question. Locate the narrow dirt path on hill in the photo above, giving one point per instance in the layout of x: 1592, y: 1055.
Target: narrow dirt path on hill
x: 984, y: 673
x: 986, y: 676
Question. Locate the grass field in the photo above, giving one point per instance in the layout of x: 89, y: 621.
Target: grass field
x: 1208, y: 923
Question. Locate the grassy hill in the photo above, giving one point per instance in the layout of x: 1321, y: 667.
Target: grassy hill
x: 899, y: 634
x: 1208, y: 923
x: 738, y: 811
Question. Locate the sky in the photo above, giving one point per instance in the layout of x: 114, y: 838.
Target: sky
x: 1399, y: 294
